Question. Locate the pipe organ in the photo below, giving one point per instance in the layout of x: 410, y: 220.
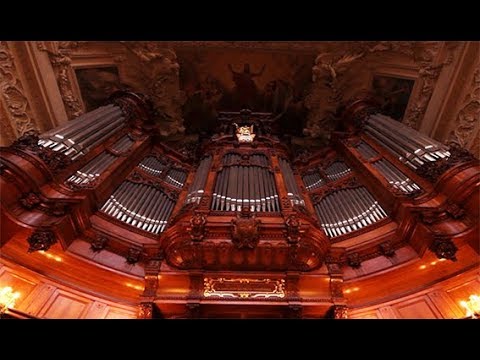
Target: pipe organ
x: 197, y: 189
x: 292, y: 187
x: 408, y: 145
x: 94, y: 168
x: 245, y: 182
x: 246, y: 205
x: 84, y: 133
x: 146, y: 204
x: 347, y: 210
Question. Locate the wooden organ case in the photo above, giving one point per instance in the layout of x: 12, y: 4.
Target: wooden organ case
x: 247, y: 228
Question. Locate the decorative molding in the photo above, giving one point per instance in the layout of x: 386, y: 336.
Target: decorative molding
x: 387, y: 249
x: 13, y: 94
x: 433, y: 170
x: 55, y: 161
x: 468, y: 117
x: 444, y: 248
x: 245, y: 230
x: 33, y: 200
x: 244, y: 288
x: 41, y: 240
x: 99, y: 243
x: 293, y: 233
x: 133, y: 256
x: 59, y: 54
x: 145, y: 311
x: 354, y: 260
x: 340, y: 312
x: 197, y: 226
x: 157, y: 70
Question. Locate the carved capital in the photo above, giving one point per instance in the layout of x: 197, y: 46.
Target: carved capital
x: 387, y: 249
x: 145, y: 311
x: 197, y: 226
x: 444, y: 248
x: 354, y: 261
x: 133, y: 256
x: 294, y: 234
x: 99, y: 243
x: 340, y: 312
x: 433, y: 170
x: 30, y: 200
x: 41, y: 240
x: 245, y: 229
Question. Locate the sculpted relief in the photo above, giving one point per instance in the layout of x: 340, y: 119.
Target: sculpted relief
x: 14, y: 100
x: 467, y: 122
x: 303, y: 88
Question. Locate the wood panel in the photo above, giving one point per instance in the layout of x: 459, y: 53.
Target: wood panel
x: 117, y: 313
x: 17, y: 283
x: 64, y: 305
x: 46, y: 299
x: 418, y: 308
x: 439, y: 301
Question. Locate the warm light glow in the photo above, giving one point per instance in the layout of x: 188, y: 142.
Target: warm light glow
x: 50, y: 256
x: 7, y: 298
x: 433, y: 263
x: 356, y: 289
x: 423, y: 267
x: 348, y: 291
x: 443, y: 259
x: 136, y: 287
x: 472, y: 306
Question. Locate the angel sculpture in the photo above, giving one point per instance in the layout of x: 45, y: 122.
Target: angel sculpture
x: 329, y: 66
x: 244, y: 133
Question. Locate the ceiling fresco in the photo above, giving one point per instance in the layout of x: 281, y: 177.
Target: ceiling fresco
x: 301, y: 83
x: 218, y: 80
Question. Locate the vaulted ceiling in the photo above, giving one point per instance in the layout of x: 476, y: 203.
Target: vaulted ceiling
x: 301, y: 83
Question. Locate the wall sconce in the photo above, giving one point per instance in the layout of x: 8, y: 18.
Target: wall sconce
x: 472, y: 306
x: 7, y: 299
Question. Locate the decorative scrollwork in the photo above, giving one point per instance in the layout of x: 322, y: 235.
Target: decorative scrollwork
x: 41, y: 240
x: 245, y: 229
x: 444, y: 248
x: 433, y: 170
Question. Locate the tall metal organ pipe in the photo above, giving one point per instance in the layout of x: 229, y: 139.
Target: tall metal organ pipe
x: 408, y: 145
x: 95, y: 167
x: 348, y: 210
x: 139, y: 205
x: 198, y: 186
x: 245, y: 185
x: 79, y: 136
x: 293, y: 191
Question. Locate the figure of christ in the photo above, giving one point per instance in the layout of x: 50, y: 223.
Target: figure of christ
x: 245, y: 88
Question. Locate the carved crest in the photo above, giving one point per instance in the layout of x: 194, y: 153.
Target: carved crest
x: 245, y: 230
x: 244, y: 133
x: 41, y: 240
x: 293, y: 229
x: 197, y: 226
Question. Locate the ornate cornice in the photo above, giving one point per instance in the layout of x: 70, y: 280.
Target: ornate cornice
x: 13, y: 94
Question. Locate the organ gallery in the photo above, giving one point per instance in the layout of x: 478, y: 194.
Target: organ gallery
x: 158, y: 180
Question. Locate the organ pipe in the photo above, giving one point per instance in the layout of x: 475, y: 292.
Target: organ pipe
x: 198, y: 186
x: 348, y: 210
x: 95, y: 167
x: 293, y: 191
x: 245, y: 185
x: 408, y: 145
x: 82, y: 134
x: 395, y: 177
x: 139, y: 205
x: 337, y: 170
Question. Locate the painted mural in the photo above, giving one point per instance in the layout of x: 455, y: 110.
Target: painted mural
x: 393, y: 94
x: 96, y: 84
x: 232, y: 80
